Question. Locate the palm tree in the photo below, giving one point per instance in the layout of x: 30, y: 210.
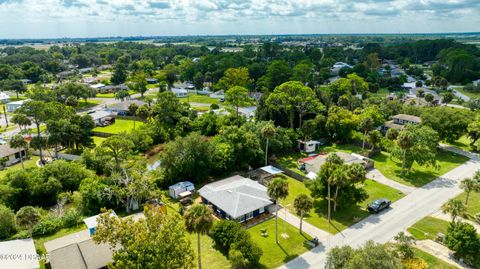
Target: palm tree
x: 455, y: 208
x: 405, y: 141
x: 132, y: 109
x: 198, y: 219
x: 469, y: 185
x: 268, y: 131
x: 17, y: 142
x: 303, y: 204
x: 277, y: 190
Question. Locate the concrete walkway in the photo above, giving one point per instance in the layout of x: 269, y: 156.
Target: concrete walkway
x: 440, y: 215
x: 307, y: 228
x: 440, y: 251
x: 376, y: 175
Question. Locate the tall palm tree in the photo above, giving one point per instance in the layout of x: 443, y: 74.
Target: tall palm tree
x: 303, y: 204
x: 198, y: 219
x: 405, y: 140
x: 277, y: 190
x: 469, y: 185
x: 132, y: 109
x: 455, y: 208
x: 18, y: 142
x: 268, y: 131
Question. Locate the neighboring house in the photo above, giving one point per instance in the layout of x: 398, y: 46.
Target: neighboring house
x: 102, y: 117
x: 218, y: 94
x: 113, y: 88
x: 310, y: 146
x: 4, y: 98
x: 151, y: 80
x: 248, y: 112
x: 85, y: 70
x: 476, y: 82
x: 26, y: 81
x: 236, y: 198
x: 399, y: 121
x: 91, y: 80
x: 81, y: 255
x: 91, y: 222
x: 12, y: 106
x: 313, y: 163
x: 19, y: 254
x: 11, y: 155
x: 339, y: 65
x: 181, y: 189
x: 97, y: 86
x: 121, y: 108
x: 179, y: 92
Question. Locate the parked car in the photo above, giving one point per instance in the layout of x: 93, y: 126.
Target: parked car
x: 379, y: 205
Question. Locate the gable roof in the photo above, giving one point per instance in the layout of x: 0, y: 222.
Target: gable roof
x: 6, y: 150
x: 81, y: 255
x: 24, y: 249
x: 407, y: 118
x: 236, y: 195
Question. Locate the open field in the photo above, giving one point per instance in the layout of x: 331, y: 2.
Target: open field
x: 119, y: 126
x: 197, y: 98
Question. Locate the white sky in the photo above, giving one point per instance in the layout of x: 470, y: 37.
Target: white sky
x: 99, y: 18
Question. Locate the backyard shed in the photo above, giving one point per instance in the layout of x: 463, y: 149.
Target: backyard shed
x: 181, y: 189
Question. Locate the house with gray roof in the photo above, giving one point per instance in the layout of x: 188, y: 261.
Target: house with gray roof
x: 236, y: 198
x: 400, y: 121
x: 314, y: 163
x: 11, y: 155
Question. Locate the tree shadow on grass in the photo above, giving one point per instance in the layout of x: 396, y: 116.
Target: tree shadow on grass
x: 345, y: 216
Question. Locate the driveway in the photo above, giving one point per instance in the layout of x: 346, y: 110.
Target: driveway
x: 383, y: 227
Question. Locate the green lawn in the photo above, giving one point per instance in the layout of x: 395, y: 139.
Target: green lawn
x: 97, y: 140
x: 197, y: 98
x: 469, y: 94
x: 342, y: 218
x: 462, y: 143
x: 201, y: 108
x: 432, y: 261
x: 473, y: 206
x: 428, y: 228
x: 291, y: 242
x: 32, y: 162
x: 111, y: 95
x: 211, y: 257
x: 89, y: 103
x: 419, y: 175
x: 290, y: 161
x: 119, y: 126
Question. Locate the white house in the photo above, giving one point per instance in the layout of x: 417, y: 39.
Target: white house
x: 4, y: 98
x: 179, y: 92
x: 97, y: 86
x: 100, y: 117
x: 12, y: 106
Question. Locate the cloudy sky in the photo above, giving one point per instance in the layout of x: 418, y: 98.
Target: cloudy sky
x: 95, y: 18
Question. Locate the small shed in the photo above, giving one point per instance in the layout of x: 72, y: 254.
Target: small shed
x: 309, y: 146
x: 91, y: 222
x: 181, y: 189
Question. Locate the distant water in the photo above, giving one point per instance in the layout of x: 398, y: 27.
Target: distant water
x: 154, y: 166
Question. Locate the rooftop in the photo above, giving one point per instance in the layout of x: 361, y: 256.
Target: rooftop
x: 6, y: 150
x: 407, y: 118
x: 236, y: 195
x: 23, y: 253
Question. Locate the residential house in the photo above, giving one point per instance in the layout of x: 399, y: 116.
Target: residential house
x: 476, y: 82
x: 181, y: 189
x: 113, y: 88
x: 4, y: 98
x: 339, y: 65
x: 91, y: 222
x: 102, y: 117
x: 19, y: 254
x: 26, y: 81
x: 399, y: 121
x: 179, y: 92
x: 12, y: 106
x: 11, y: 155
x: 121, y: 108
x: 97, y: 86
x: 314, y: 163
x: 151, y: 80
x: 236, y: 198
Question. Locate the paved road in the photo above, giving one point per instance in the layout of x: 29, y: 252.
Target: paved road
x: 458, y: 94
x: 383, y: 227
x: 375, y: 174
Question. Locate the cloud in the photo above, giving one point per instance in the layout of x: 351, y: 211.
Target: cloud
x: 205, y: 16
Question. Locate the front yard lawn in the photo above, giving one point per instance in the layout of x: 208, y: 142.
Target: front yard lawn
x: 432, y: 261
x: 419, y: 175
x: 290, y: 242
x: 473, y: 206
x: 97, y: 140
x: 211, y: 257
x: 342, y: 218
x: 32, y: 162
x: 197, y: 98
x: 290, y: 161
x: 119, y: 126
x: 88, y: 104
x: 111, y: 94
x: 428, y: 228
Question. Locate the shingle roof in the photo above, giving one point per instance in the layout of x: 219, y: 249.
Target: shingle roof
x: 81, y: 255
x: 407, y: 118
x: 236, y: 195
x: 6, y: 150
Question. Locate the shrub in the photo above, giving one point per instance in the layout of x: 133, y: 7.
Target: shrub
x: 249, y: 250
x: 71, y: 218
x: 214, y: 106
x: 236, y: 259
x: 21, y: 235
x: 48, y: 225
x: 225, y: 233
x: 463, y: 239
x: 7, y: 222
x: 27, y: 217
